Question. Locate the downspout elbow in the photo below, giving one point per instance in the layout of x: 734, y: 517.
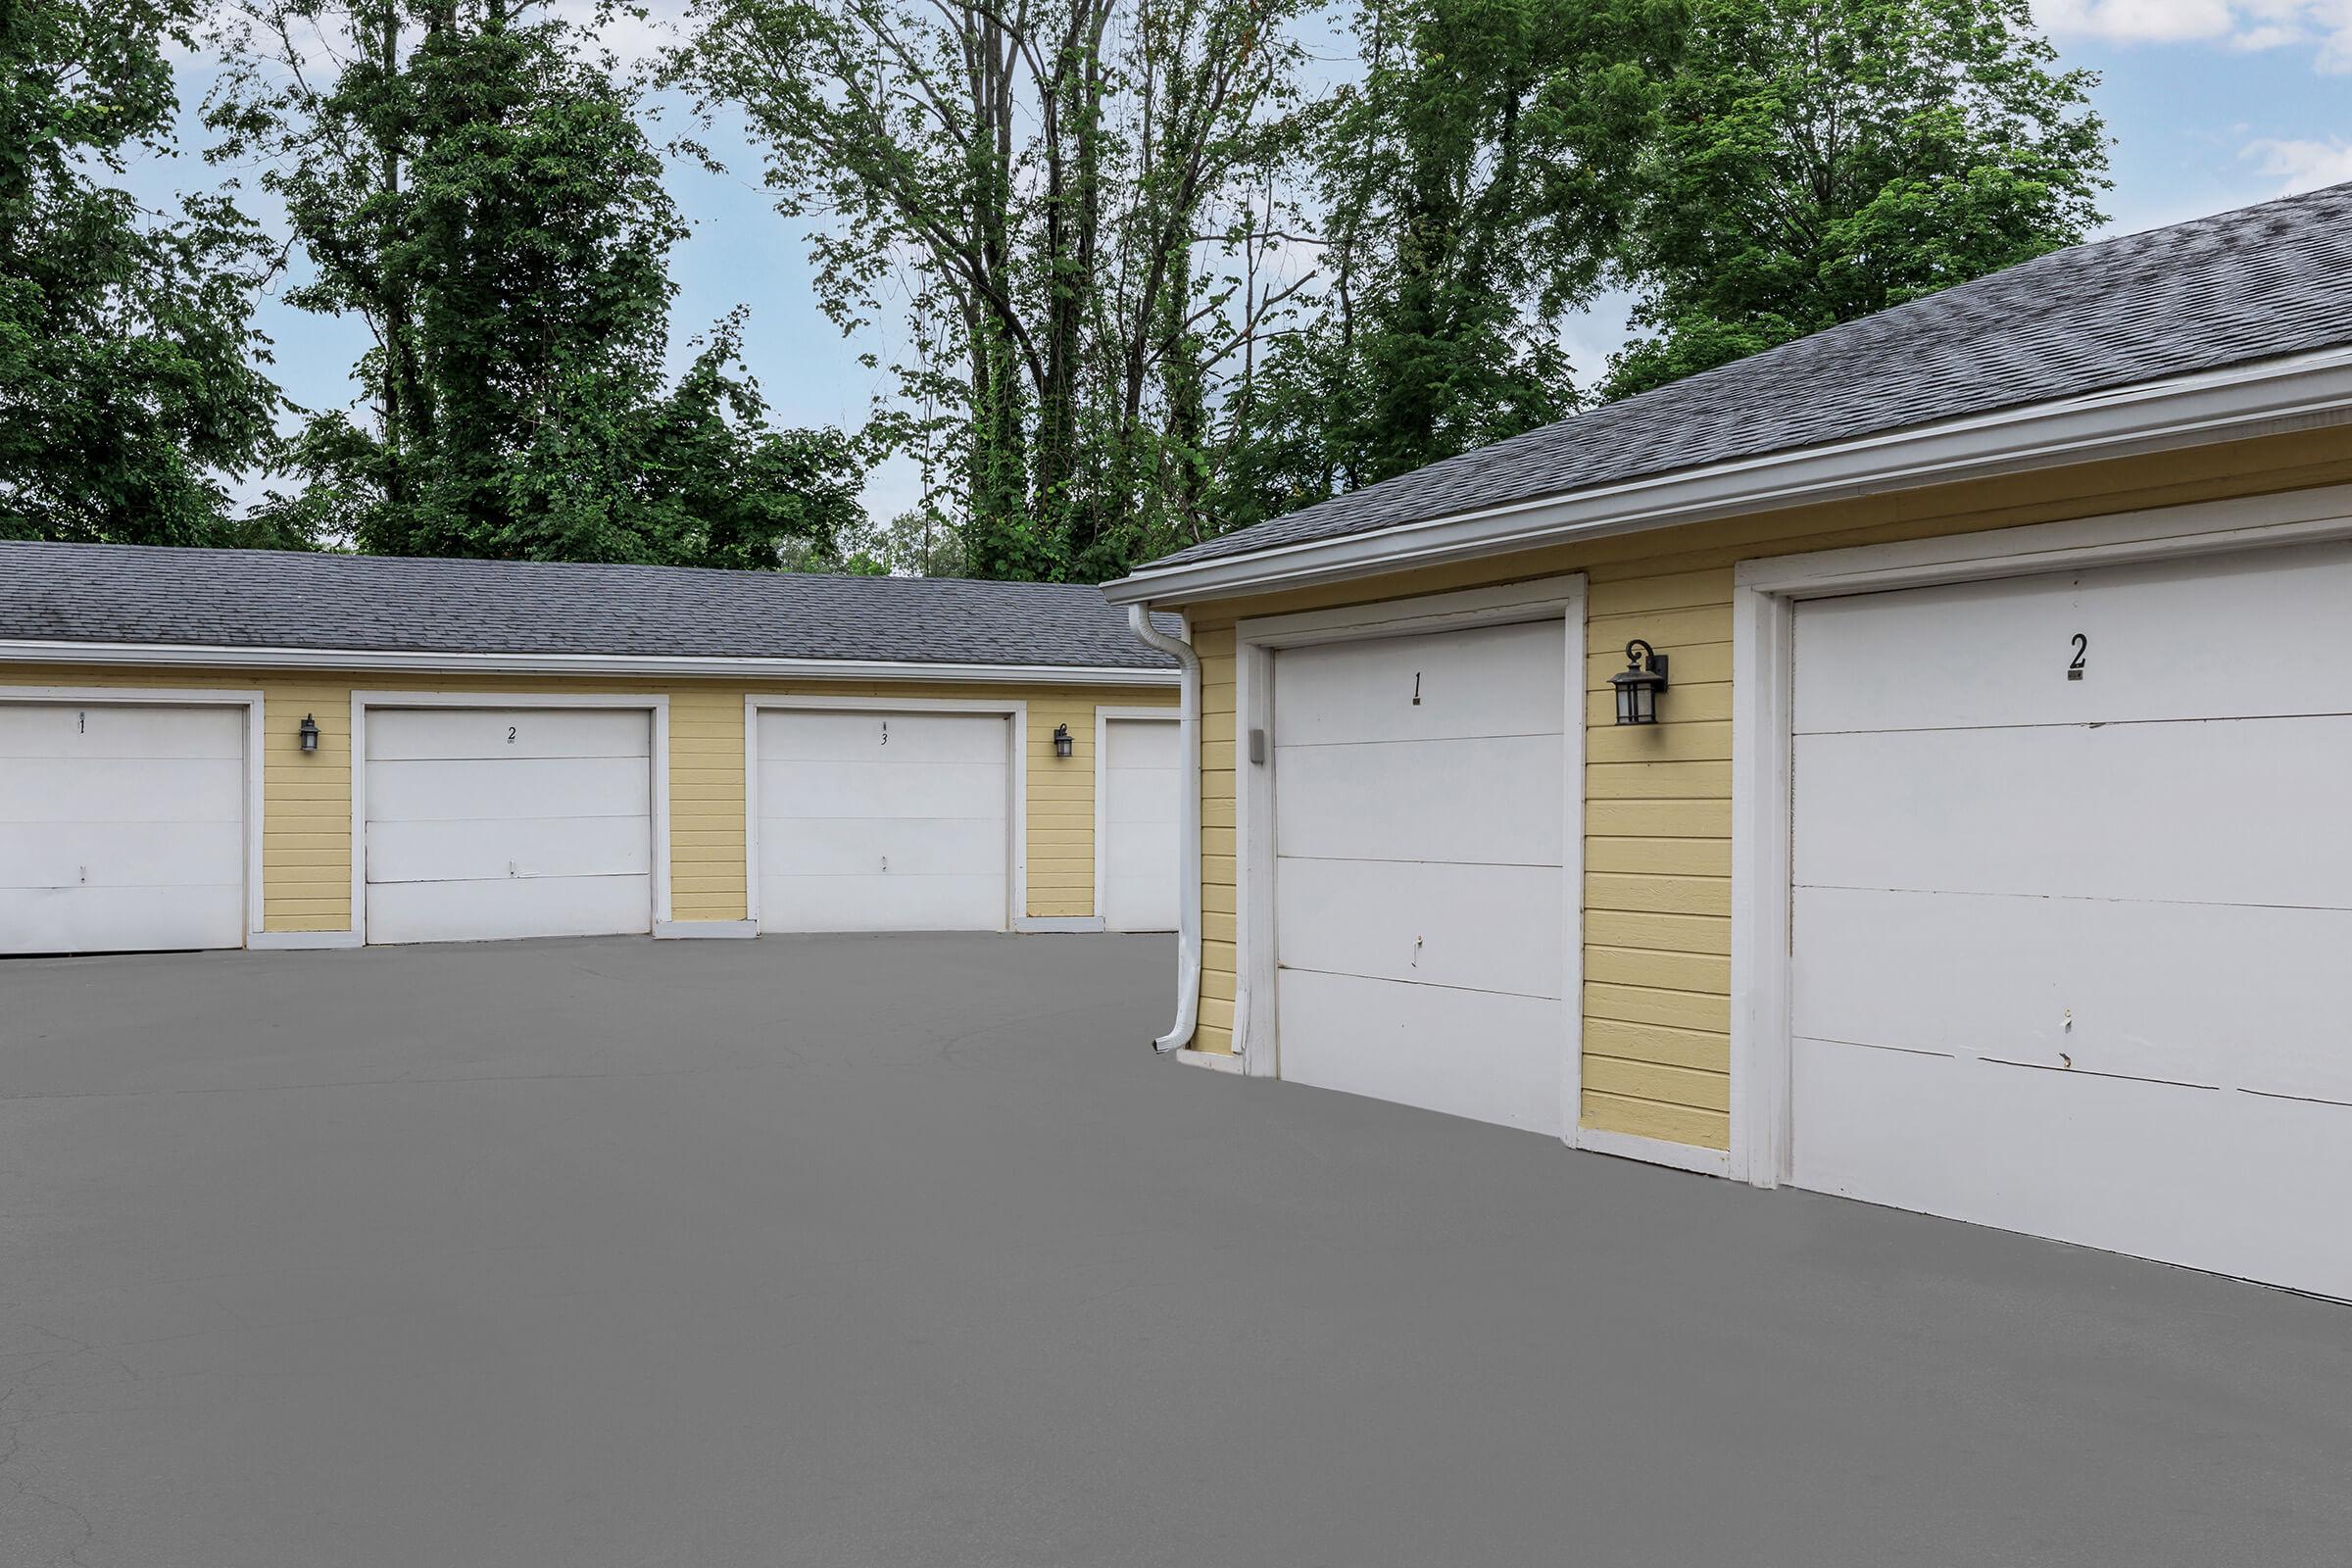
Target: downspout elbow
x: 1188, y: 903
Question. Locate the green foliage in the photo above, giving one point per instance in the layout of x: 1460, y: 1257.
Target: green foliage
x: 1068, y: 206
x: 1476, y: 183
x: 129, y: 369
x: 485, y: 198
x: 1816, y: 161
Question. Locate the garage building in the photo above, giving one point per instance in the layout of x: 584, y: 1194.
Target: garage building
x: 1908, y: 764
x: 221, y: 749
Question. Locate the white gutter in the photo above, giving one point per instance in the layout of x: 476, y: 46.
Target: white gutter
x: 363, y: 658
x: 1188, y: 815
x: 2306, y: 391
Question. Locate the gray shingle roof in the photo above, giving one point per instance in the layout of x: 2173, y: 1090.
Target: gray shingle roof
x: 2251, y: 284
x: 280, y: 599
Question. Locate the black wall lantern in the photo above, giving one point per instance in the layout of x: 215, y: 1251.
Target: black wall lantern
x: 1639, y: 684
x: 1061, y: 739
x: 309, y: 733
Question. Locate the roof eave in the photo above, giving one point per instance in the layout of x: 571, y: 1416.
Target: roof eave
x: 209, y: 657
x: 2237, y: 402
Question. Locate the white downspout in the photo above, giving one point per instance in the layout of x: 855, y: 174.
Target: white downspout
x: 1188, y: 814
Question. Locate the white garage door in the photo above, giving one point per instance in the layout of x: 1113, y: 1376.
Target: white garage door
x: 1419, y: 818
x: 884, y: 821
x: 122, y: 827
x: 1140, y: 829
x: 494, y: 822
x: 2071, y: 953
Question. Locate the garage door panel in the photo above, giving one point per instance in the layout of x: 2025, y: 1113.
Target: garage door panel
x: 122, y: 827
x: 1490, y: 1057
x: 858, y: 847
x: 1145, y: 795
x: 472, y: 837
x: 1494, y: 801
x: 2068, y: 955
x: 900, y: 788
x: 501, y: 909
x: 1995, y: 652
x: 121, y: 855
x: 1482, y: 927
x: 813, y: 735
x: 2203, y: 812
x: 1133, y: 851
x: 1140, y: 831
x: 1496, y: 681
x: 480, y: 851
x: 838, y: 803
x: 506, y: 733
x: 122, y: 919
x: 520, y: 789
x: 129, y: 789
x: 2222, y: 1180
x: 2222, y: 995
x: 889, y: 903
x: 114, y: 731
x: 1144, y: 743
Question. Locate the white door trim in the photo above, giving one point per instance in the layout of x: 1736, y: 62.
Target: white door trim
x: 1255, y: 644
x: 654, y: 706
x: 1103, y: 722
x: 1016, y: 812
x: 1764, y: 598
x: 184, y: 697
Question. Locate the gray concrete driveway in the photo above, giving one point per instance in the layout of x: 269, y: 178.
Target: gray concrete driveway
x: 904, y: 1252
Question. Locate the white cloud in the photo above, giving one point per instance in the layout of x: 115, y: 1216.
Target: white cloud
x: 2302, y: 164
x: 2323, y: 25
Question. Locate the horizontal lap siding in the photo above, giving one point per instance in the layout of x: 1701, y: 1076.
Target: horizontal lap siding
x: 1657, y: 801
x: 306, y: 826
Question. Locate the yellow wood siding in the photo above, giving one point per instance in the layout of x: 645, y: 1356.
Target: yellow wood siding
x: 306, y: 812
x: 1657, y: 813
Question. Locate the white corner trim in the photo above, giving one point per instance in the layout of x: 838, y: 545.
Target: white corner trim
x: 1047, y: 925
x: 50, y: 651
x: 1653, y: 1151
x: 302, y: 940
x: 1104, y: 720
x: 681, y: 930
x: 1016, y: 711
x: 655, y: 707
x: 1256, y: 1034
x: 1765, y: 594
x: 1212, y: 1060
x: 256, y: 763
x: 2269, y: 397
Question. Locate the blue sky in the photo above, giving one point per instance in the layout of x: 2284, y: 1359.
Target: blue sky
x: 2212, y: 104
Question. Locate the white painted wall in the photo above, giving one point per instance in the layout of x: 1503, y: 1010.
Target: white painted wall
x: 485, y: 823
x: 1137, y: 841
x: 884, y: 821
x: 1419, y: 870
x: 2069, y: 954
x: 122, y: 827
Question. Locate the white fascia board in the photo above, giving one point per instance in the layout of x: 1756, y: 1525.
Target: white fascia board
x: 2270, y: 397
x: 746, y: 670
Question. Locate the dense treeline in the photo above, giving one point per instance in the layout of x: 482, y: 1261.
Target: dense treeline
x: 1158, y: 268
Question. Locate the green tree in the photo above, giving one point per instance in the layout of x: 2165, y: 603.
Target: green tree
x: 129, y: 366
x: 478, y: 189
x: 1816, y: 161
x: 1061, y: 201
x: 1474, y: 186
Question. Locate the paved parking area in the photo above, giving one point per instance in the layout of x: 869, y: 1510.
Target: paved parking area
x: 904, y: 1252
